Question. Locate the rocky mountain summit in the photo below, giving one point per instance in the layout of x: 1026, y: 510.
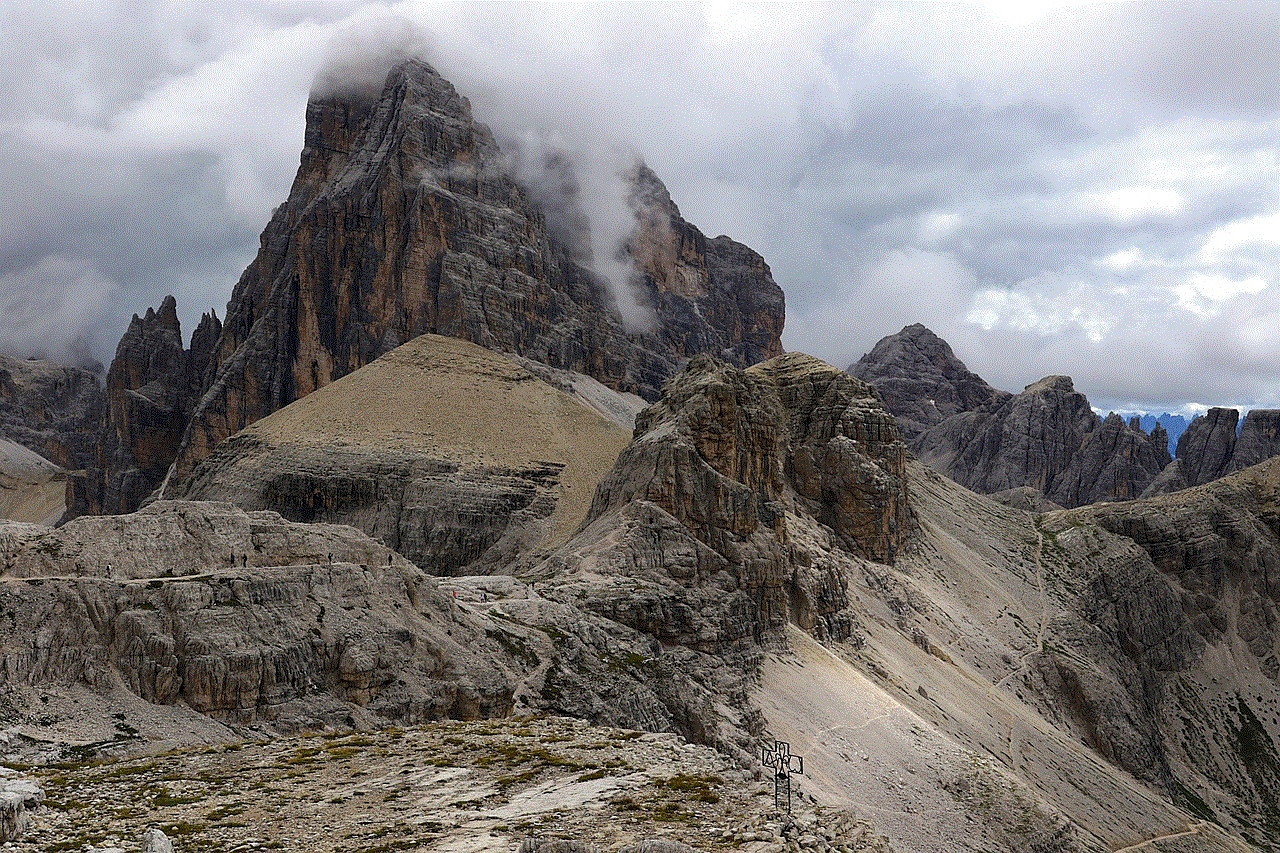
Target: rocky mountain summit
x: 403, y: 220
x: 446, y: 522
x: 152, y: 385
x: 920, y: 380
x: 1047, y: 438
x: 525, y: 783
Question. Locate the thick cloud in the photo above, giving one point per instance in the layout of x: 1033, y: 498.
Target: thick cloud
x: 1054, y: 188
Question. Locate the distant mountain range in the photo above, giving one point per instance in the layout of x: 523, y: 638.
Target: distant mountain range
x: 1046, y: 446
x: 1174, y: 425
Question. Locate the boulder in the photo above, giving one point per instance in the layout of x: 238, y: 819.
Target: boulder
x: 155, y: 841
x: 17, y: 798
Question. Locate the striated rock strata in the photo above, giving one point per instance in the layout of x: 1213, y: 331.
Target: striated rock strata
x: 693, y: 525
x: 1211, y: 448
x: 1048, y: 438
x: 403, y: 220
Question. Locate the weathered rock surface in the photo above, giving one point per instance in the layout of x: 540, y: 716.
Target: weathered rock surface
x: 723, y: 465
x: 495, y: 785
x: 242, y: 616
x: 403, y: 220
x: 458, y: 458
x: 152, y: 386
x: 1190, y: 633
x: 1048, y: 438
x: 50, y: 408
x: 920, y: 380
x: 1211, y: 448
x: 1259, y: 439
x: 1021, y: 680
x: 17, y: 798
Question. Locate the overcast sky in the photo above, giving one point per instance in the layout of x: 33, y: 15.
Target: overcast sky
x: 1052, y: 187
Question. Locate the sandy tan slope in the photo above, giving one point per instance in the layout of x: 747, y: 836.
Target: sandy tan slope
x: 458, y: 457
x: 32, y: 488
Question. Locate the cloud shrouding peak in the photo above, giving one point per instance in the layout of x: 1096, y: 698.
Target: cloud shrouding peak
x: 1053, y: 188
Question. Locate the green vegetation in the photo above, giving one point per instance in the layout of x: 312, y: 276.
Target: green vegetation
x: 515, y: 646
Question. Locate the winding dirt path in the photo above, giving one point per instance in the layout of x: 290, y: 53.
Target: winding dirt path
x: 1192, y: 829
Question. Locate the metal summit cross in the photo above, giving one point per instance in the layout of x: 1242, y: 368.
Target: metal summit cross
x: 778, y: 758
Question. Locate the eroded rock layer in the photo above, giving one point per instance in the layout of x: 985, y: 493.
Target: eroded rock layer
x: 692, y: 530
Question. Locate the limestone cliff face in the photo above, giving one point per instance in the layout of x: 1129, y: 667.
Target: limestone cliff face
x: 920, y: 380
x: 1259, y: 439
x: 1210, y: 448
x: 403, y: 220
x: 1192, y: 627
x: 696, y: 524
x: 242, y: 616
x: 710, y: 295
x: 1048, y: 438
x: 50, y: 408
x: 152, y: 386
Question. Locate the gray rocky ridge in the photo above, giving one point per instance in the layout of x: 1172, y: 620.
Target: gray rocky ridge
x: 1211, y: 448
x: 1046, y: 438
x: 52, y: 409
x: 920, y: 380
x: 763, y: 560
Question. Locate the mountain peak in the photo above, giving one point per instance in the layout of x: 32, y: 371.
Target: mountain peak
x: 920, y: 379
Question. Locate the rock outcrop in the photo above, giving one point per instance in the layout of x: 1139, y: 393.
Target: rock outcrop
x: 920, y: 380
x: 1259, y: 439
x: 152, y: 386
x: 242, y: 616
x: 1211, y: 447
x: 695, y: 528
x: 1048, y: 438
x: 403, y: 220
x: 17, y: 798
x: 458, y: 458
x: 51, y: 408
